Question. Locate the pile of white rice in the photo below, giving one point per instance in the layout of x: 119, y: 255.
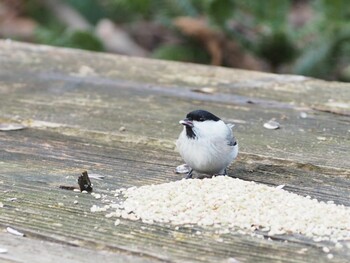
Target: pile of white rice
x: 228, y: 203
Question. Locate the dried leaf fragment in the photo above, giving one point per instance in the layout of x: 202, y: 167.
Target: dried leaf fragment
x: 84, y: 182
x: 85, y: 185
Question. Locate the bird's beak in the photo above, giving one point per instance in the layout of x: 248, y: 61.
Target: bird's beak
x: 187, y: 123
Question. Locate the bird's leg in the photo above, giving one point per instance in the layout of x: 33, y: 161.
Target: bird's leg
x: 222, y: 174
x: 189, y: 174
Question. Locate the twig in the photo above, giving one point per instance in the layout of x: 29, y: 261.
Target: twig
x: 67, y: 15
x: 117, y: 40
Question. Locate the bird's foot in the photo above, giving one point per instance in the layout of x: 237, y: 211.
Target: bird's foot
x: 189, y: 174
x: 222, y: 174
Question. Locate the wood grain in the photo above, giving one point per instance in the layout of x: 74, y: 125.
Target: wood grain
x: 74, y: 104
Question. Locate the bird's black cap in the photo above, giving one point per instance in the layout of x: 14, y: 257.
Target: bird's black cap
x: 201, y: 115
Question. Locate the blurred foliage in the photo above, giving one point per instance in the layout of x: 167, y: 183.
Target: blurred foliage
x: 185, y: 53
x: 277, y: 48
x: 90, y: 9
x: 37, y: 11
x: 320, y: 47
x: 330, y: 32
x: 66, y: 38
x: 220, y: 11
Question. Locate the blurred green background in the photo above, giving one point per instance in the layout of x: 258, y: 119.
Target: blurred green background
x: 307, y: 37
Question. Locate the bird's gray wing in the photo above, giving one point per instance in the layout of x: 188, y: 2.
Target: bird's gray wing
x: 232, y: 141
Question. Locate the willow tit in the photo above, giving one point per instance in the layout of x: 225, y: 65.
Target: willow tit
x: 206, y: 143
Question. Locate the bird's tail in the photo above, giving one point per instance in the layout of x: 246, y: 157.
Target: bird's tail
x: 230, y: 125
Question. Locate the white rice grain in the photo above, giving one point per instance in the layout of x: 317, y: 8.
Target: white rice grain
x: 233, y: 203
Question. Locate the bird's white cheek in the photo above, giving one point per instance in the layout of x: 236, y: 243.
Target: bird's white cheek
x: 211, y: 129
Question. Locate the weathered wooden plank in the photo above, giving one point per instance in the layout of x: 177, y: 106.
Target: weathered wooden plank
x: 37, y: 208
x: 74, y: 104
x: 158, y: 118
x: 92, y: 96
x: 21, y: 249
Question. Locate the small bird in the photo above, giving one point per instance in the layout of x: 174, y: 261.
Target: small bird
x: 206, y: 143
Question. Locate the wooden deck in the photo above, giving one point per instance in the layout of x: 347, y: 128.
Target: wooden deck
x: 75, y: 104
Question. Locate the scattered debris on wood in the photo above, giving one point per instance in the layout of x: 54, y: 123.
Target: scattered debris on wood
x: 303, y: 115
x: 182, y: 169
x: 271, y: 125
x: 14, y: 232
x: 11, y: 126
x: 97, y: 196
x: 117, y: 222
x: 11, y: 199
x: 85, y: 185
x: 205, y: 90
x: 68, y: 187
x: 3, y: 250
x: 84, y: 182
